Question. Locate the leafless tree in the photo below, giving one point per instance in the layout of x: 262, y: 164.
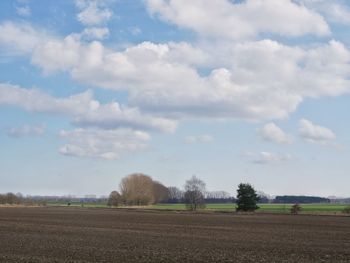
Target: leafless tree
x: 137, y: 189
x: 114, y: 199
x: 161, y: 192
x: 194, y: 193
x: 175, y: 194
x: 11, y: 198
x: 217, y: 195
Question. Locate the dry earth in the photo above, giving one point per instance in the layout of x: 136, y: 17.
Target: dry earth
x: 114, y: 235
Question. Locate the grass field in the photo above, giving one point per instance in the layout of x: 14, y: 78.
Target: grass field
x: 277, y: 208
x: 281, y: 208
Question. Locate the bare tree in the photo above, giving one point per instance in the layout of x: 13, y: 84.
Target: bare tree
x: 175, y: 194
x: 194, y: 193
x: 137, y: 189
x: 11, y: 198
x: 114, y: 199
x: 161, y: 192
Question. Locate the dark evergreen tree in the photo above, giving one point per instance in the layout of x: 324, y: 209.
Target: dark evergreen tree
x: 246, y: 198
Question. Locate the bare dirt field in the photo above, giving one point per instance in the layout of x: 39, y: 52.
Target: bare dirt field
x: 114, y: 235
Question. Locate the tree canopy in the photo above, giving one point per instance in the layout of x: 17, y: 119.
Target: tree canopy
x: 247, y: 198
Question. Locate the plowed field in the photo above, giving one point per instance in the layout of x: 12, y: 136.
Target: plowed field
x: 115, y: 235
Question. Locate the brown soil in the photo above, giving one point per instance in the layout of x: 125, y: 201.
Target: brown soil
x: 113, y: 235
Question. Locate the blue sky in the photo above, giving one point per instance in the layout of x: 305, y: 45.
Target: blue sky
x: 231, y: 91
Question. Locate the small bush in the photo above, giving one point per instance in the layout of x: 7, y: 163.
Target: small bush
x: 346, y: 210
x: 295, y: 209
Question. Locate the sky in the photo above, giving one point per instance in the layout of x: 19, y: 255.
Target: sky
x: 230, y: 91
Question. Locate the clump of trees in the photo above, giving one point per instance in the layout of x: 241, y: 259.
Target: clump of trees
x: 114, y: 199
x: 19, y: 199
x: 11, y: 199
x: 161, y: 192
x: 175, y: 195
x: 140, y: 189
x: 247, y: 198
x: 218, y: 197
x: 194, y: 193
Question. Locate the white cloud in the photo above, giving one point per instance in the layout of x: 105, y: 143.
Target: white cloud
x: 253, y: 80
x: 204, y: 138
x: 35, y: 100
x: 93, y: 12
x: 24, y: 11
x: 109, y: 130
x: 162, y: 78
x: 114, y: 115
x: 83, y: 109
x: 96, y: 33
x: 314, y: 133
x: 110, y: 145
x: 271, y: 132
x: 225, y: 19
x: 335, y: 11
x: 26, y: 130
x: 21, y: 37
x: 267, y: 157
x: 54, y: 54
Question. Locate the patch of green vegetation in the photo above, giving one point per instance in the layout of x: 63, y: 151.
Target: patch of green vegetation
x: 276, y: 208
x: 76, y: 204
x: 280, y: 208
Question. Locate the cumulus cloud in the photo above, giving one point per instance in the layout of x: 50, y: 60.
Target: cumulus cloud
x: 314, y: 133
x: 109, y: 130
x: 102, y: 144
x: 257, y: 80
x: 335, y: 11
x: 263, y: 80
x: 25, y: 130
x: 93, y: 12
x: 83, y: 109
x: 267, y: 157
x: 271, y: 132
x: 204, y: 138
x: 226, y: 19
x: 21, y: 37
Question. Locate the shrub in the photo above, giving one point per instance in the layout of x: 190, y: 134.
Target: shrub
x: 346, y: 210
x: 295, y: 209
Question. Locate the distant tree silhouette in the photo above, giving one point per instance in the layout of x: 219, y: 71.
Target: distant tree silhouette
x: 175, y: 195
x: 161, y: 192
x: 114, y: 199
x: 300, y: 199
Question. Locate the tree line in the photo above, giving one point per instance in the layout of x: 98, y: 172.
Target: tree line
x: 289, y: 199
x: 19, y: 199
x: 141, y: 190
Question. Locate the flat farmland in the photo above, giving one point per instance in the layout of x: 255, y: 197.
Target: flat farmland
x: 53, y: 234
